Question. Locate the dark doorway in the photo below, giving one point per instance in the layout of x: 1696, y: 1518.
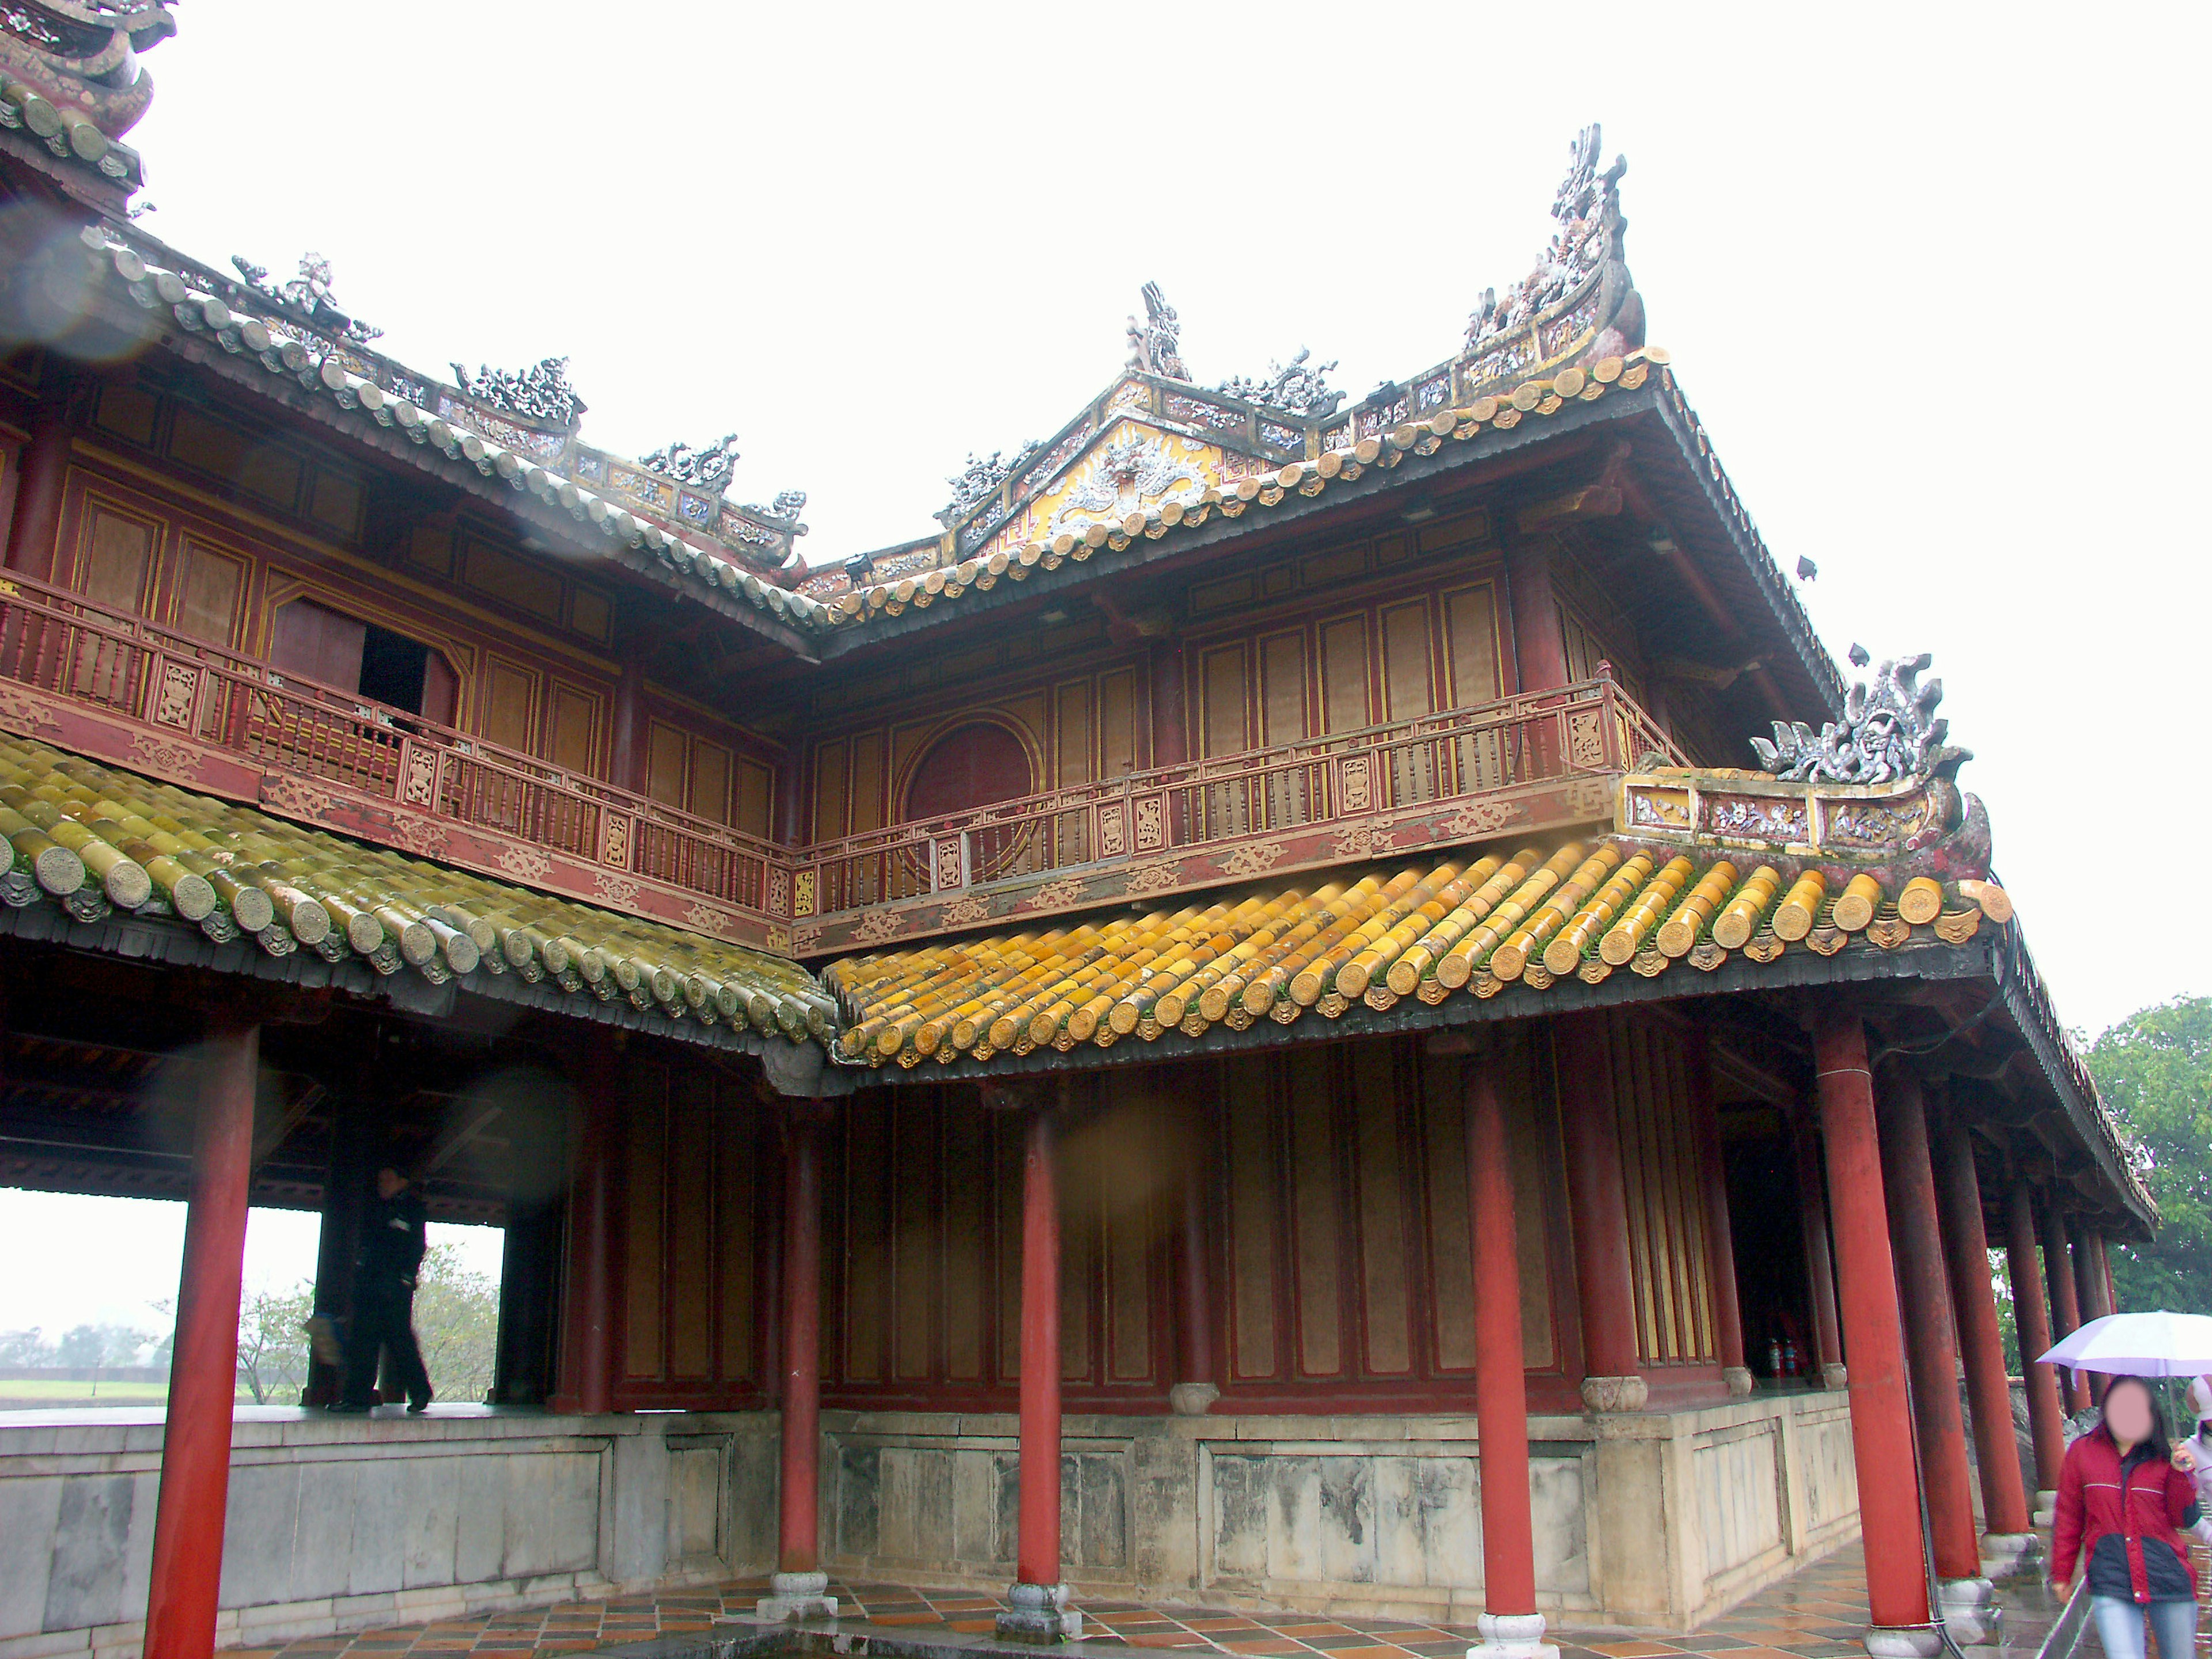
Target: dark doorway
x: 317, y: 643
x: 391, y: 668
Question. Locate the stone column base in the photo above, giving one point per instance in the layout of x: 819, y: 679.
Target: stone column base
x: 1969, y: 1612
x: 793, y: 1595
x: 1738, y: 1378
x: 1520, y: 1635
x: 1834, y: 1376
x: 1606, y: 1396
x: 1902, y: 1641
x: 1040, y: 1613
x: 2011, y: 1554
x: 1191, y: 1399
x: 2046, y: 1509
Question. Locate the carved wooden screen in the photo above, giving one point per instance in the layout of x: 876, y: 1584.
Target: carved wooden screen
x: 1470, y: 633
x: 1408, y: 691
x: 1224, y: 728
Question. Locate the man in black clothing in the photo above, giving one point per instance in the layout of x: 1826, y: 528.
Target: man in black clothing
x: 385, y: 1269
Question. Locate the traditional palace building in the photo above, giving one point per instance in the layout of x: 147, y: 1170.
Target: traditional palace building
x: 1235, y: 1024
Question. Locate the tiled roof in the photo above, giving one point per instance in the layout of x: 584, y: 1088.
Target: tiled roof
x: 585, y: 483
x: 92, y: 839
x: 1479, y: 927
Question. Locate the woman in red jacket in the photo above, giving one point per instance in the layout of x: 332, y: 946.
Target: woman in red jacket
x: 2122, y: 1505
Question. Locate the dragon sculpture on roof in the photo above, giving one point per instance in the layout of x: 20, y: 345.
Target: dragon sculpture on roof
x: 1890, y: 732
x: 541, y: 392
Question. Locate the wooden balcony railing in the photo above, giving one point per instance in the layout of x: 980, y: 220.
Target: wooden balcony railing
x: 171, y: 690
x: 57, y: 643
x: 1588, y: 728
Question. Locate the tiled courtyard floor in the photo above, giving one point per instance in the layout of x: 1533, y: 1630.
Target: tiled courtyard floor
x: 1816, y: 1614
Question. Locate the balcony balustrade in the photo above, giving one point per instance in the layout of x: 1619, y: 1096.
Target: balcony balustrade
x: 128, y: 691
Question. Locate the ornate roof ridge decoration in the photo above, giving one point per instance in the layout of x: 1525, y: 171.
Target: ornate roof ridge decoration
x: 1156, y: 344
x: 708, y: 465
x: 1291, y: 387
x: 694, y: 534
x: 308, y: 295
x: 540, y: 392
x: 980, y: 479
x: 1890, y: 732
x: 786, y: 505
x: 70, y: 73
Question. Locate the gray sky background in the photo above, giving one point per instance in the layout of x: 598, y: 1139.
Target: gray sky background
x: 1927, y: 274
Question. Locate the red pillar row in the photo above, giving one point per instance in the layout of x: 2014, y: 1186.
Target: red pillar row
x: 1195, y: 1388
x: 588, y: 1346
x: 1881, y: 1415
x: 1932, y: 1356
x: 188, y: 1516
x: 1590, y: 1129
x: 36, y: 523
x: 2065, y: 1310
x: 2032, y: 1322
x: 1981, y: 1341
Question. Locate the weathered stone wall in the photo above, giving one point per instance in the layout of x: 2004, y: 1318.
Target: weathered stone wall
x: 335, y: 1523
x: 1656, y: 1519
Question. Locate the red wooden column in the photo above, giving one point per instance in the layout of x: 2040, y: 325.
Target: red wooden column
x: 1966, y: 1601
x: 1820, y: 1266
x: 2104, y: 1271
x: 587, y: 1338
x: 1511, y: 1625
x: 2044, y: 1414
x: 36, y: 522
x: 188, y: 1515
x: 1170, y: 733
x: 1540, y: 646
x: 1591, y: 1128
x: 2011, y: 1546
x: 2065, y: 1309
x: 1039, y: 1610
x: 1720, y: 1237
x: 799, y: 1588
x: 1882, y: 1410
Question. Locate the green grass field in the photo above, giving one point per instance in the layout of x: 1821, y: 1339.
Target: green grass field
x: 42, y: 1395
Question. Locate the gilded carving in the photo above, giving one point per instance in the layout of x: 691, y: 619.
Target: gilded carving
x: 160, y: 755
x: 21, y: 712
x: 1782, y: 821
x: 614, y: 839
x: 705, y: 919
x: 1058, y: 894
x: 420, y: 787
x: 1481, y: 817
x: 1361, y: 841
x: 1251, y: 859
x: 173, y: 704
x: 1586, y: 739
x: 950, y: 873
x: 1151, y: 814
x: 524, y: 863
x: 1113, y: 833
x: 294, y: 797
x: 1659, y: 808
x: 620, y: 890
x: 779, y: 891
x: 964, y: 911
x: 802, y: 894
x: 1152, y: 878
x: 876, y: 926
x: 1355, y: 787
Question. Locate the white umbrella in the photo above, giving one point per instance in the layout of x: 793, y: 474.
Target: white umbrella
x: 2139, y: 1344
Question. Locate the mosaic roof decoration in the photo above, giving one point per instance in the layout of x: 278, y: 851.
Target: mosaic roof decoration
x: 1572, y: 328
x: 1889, y: 731
x: 92, y: 840
x: 309, y: 296
x: 500, y: 430
x: 70, y: 76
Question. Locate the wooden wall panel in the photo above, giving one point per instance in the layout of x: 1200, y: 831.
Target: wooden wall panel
x: 1669, y: 1272
x: 1344, y: 676
x: 829, y: 790
x: 210, y: 602
x: 867, y: 1277
x: 1117, y: 723
x: 710, y: 781
x: 1223, y: 729
x: 754, y: 798
x: 1080, y: 1212
x: 1385, y: 1256
x: 967, y: 1240
x: 510, y: 704
x: 1471, y: 645
x: 1282, y: 688
x: 739, y: 1158
x: 1005, y: 1136
x: 690, y: 1243
x: 1407, y: 687
x: 1255, y: 1183
x: 643, y: 1269
x: 867, y: 809
x: 573, y: 735
x: 1316, y: 1209
x: 1450, y: 1223
x: 913, y: 1242
x: 115, y: 558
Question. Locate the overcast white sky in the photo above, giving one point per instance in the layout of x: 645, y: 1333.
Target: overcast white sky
x: 1930, y: 275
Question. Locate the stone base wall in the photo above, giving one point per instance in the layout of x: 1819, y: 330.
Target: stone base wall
x: 336, y: 1523
x: 1656, y: 1520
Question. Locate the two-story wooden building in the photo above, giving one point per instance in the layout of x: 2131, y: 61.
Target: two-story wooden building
x: 1230, y: 1026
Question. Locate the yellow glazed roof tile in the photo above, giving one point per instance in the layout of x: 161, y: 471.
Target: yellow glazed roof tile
x: 1583, y: 909
x: 93, y: 840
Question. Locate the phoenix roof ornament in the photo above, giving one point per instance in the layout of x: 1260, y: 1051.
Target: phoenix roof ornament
x: 538, y: 393
x: 981, y: 476
x: 309, y: 294
x: 708, y: 467
x: 1156, y: 344
x: 1293, y: 388
x: 1589, y: 227
x: 1890, y: 732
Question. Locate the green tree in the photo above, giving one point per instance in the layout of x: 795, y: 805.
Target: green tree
x: 2154, y: 1070
x: 273, y: 1342
x: 456, y: 1324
